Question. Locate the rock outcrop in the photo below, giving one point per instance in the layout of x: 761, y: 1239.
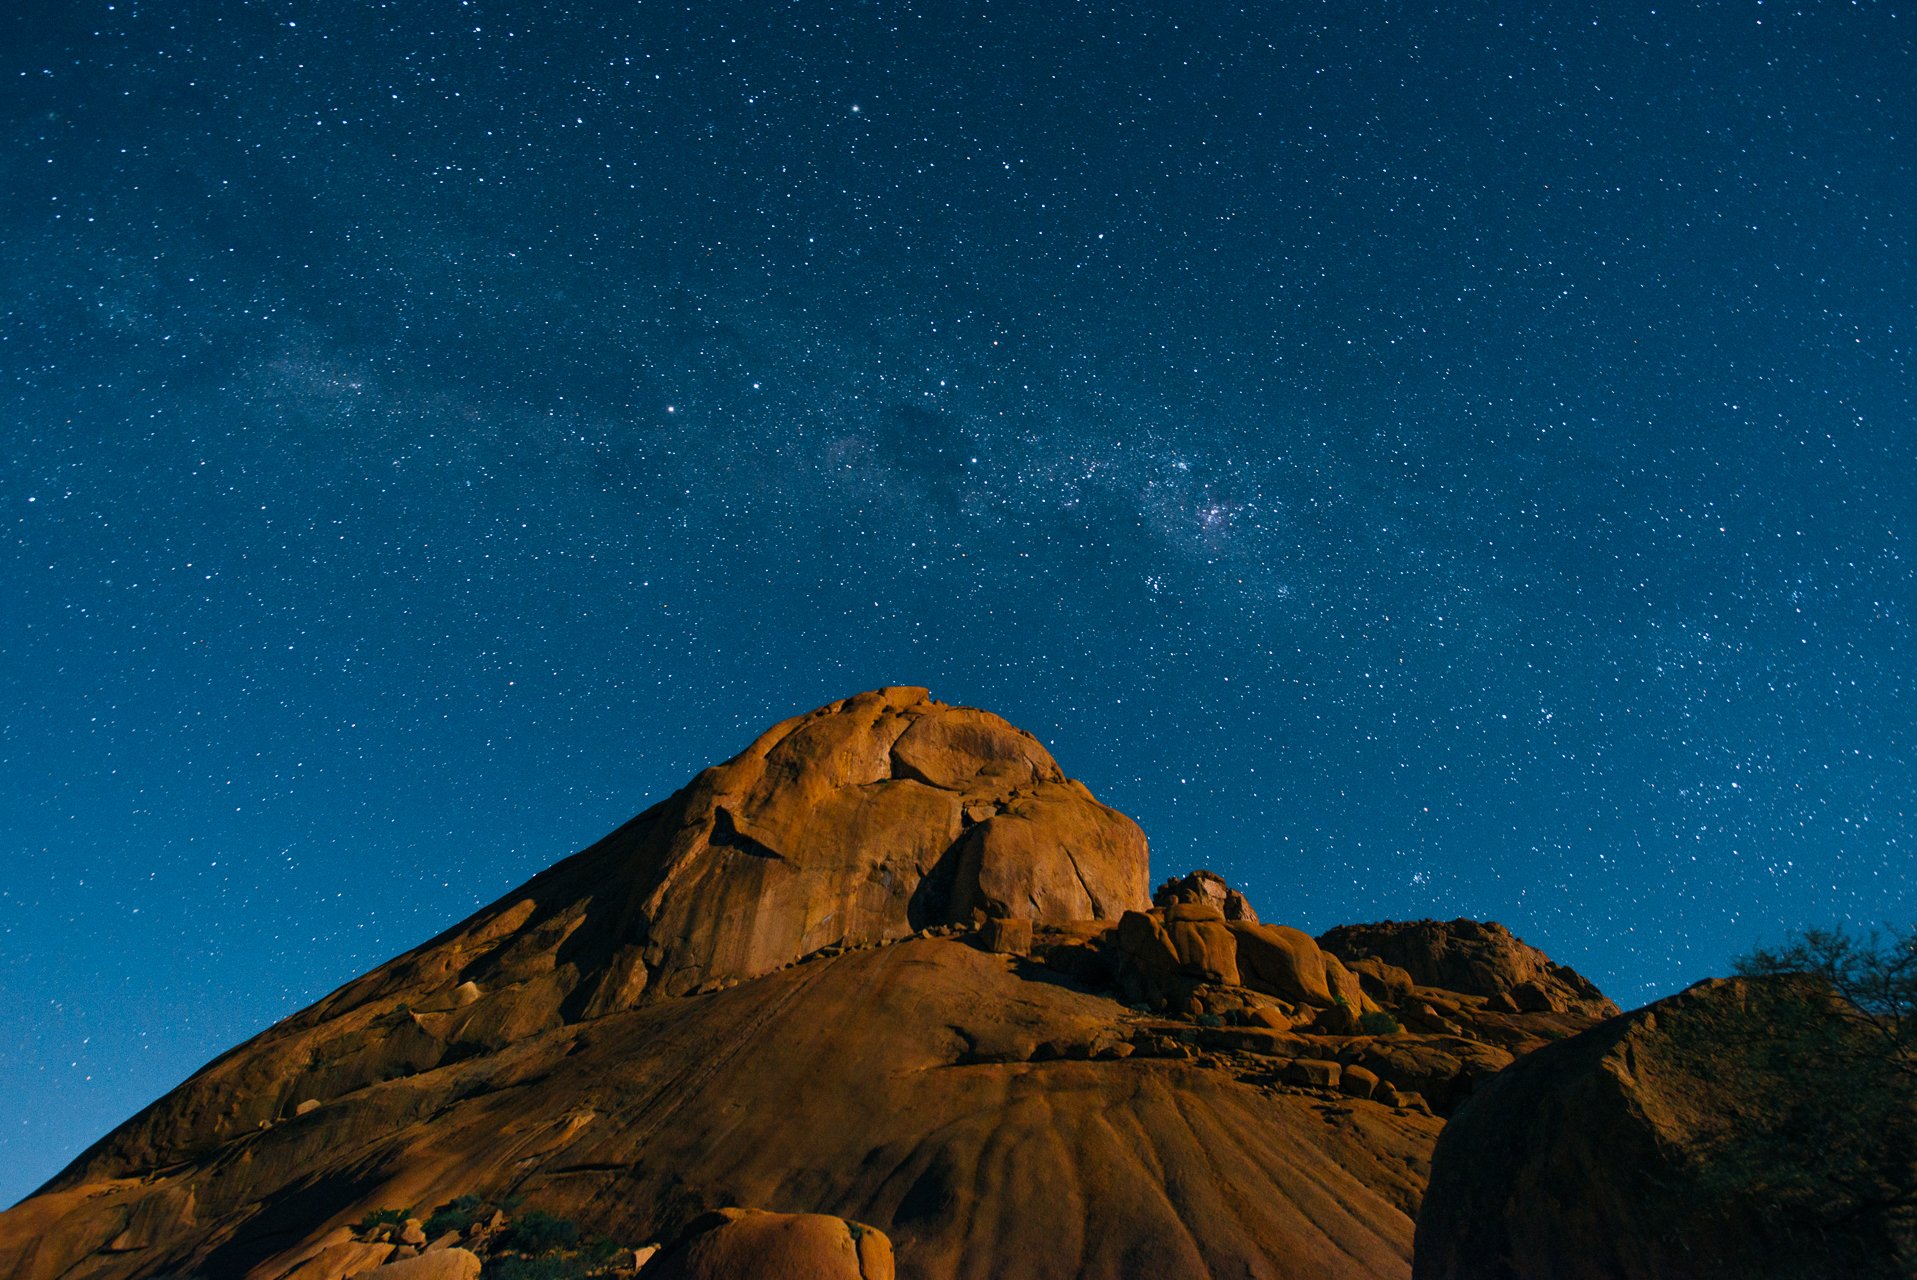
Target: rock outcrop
x: 889, y: 966
x: 1730, y: 1132
x: 1479, y: 958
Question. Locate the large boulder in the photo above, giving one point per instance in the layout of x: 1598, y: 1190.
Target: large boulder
x: 750, y: 1244
x: 1735, y: 1131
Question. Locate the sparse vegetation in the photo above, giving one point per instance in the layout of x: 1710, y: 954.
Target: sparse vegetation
x: 1209, y: 1020
x: 548, y: 1267
x: 382, y: 1218
x: 1826, y: 1041
x: 536, y: 1232
x: 1377, y: 1022
x: 458, y: 1214
x: 1875, y: 977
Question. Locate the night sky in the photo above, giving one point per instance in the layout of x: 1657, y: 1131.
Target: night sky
x: 1416, y: 464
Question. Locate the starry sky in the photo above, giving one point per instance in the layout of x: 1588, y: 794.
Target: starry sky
x: 1417, y: 462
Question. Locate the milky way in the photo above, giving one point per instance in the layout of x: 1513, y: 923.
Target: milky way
x: 1415, y: 464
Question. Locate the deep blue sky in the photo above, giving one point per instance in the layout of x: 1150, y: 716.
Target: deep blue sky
x: 1417, y: 464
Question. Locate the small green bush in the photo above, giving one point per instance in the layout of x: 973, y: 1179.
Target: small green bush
x: 1209, y: 1020
x: 599, y: 1250
x: 457, y: 1214
x: 383, y: 1218
x: 1378, y: 1023
x: 536, y: 1232
x: 550, y: 1267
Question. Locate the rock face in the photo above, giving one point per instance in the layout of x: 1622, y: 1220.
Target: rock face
x: 744, y: 1244
x: 1688, y: 1138
x: 888, y: 966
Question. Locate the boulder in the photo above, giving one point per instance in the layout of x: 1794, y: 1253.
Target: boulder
x: 1005, y: 936
x: 1206, y: 950
x: 746, y: 1244
x: 440, y: 1264
x: 1316, y: 1073
x: 1357, y: 1081
x: 1283, y: 962
x: 1719, y: 1134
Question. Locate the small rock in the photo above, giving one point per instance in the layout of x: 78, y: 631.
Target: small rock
x: 1314, y: 1073
x: 1358, y: 1082
x: 307, y: 1107
x: 465, y: 993
x: 1006, y: 936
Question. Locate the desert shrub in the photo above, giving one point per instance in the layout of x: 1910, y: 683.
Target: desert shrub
x: 600, y: 1250
x: 537, y: 1232
x: 1827, y: 1040
x: 1209, y: 1020
x: 457, y: 1214
x: 382, y: 1218
x: 1377, y: 1022
x: 549, y: 1267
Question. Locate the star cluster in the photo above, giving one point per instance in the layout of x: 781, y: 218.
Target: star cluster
x: 1417, y: 462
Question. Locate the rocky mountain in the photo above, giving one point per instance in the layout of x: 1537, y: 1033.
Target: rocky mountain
x: 886, y: 991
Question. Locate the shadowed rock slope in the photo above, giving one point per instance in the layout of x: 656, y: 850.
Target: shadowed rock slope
x: 888, y: 964
x: 1742, y: 1128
